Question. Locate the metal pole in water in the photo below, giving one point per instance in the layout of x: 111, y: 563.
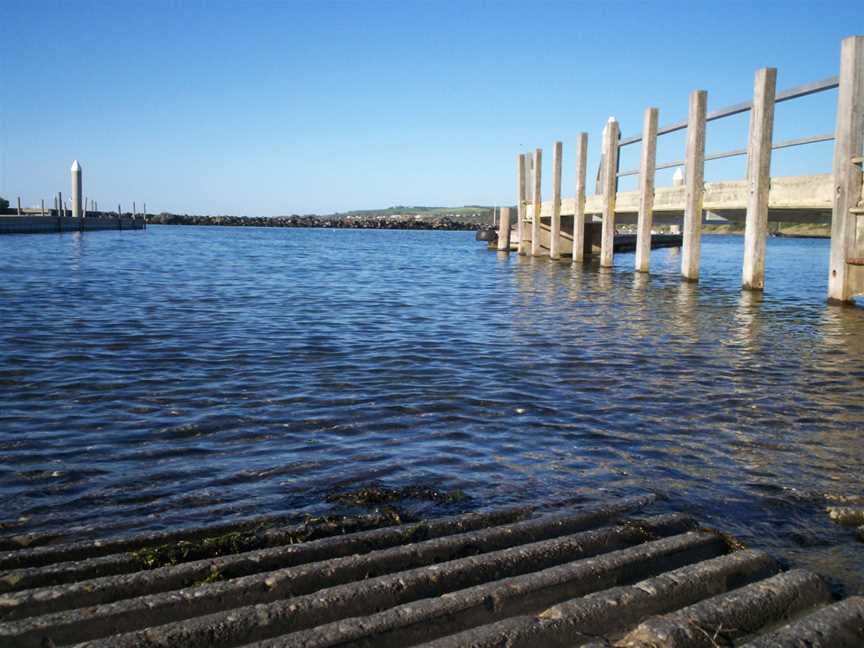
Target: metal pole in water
x: 19, y: 205
x: 43, y: 206
x: 76, y: 189
x: 61, y: 207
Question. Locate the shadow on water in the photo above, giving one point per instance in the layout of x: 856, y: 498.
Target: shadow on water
x: 172, y: 376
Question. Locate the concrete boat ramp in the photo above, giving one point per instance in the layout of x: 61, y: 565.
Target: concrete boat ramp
x: 569, y: 574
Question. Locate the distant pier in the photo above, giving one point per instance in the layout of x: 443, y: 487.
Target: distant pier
x: 59, y: 219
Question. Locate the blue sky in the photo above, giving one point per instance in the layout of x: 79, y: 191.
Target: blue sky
x: 265, y: 108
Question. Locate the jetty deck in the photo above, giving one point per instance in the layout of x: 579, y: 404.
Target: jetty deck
x: 565, y: 574
x: 756, y: 200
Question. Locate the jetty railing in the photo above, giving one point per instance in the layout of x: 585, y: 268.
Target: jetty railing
x: 838, y: 193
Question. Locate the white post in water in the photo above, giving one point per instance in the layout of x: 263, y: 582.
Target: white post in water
x: 538, y: 205
x: 694, y: 185
x: 520, y: 205
x: 758, y: 178
x: 846, y: 276
x: 610, y: 182
x: 19, y: 205
x: 504, y: 229
x: 647, y: 168
x: 579, y: 207
x: 76, y: 189
x: 555, y: 224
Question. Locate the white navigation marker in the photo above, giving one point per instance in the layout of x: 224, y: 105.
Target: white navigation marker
x: 76, y: 189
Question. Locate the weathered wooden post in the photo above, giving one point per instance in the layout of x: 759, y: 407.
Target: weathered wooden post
x: 538, y: 204
x: 846, y: 275
x: 579, y: 206
x: 610, y: 184
x: 694, y: 185
x: 758, y: 178
x: 555, y: 228
x: 504, y: 229
x: 647, y: 169
x: 520, y: 205
x: 76, y: 189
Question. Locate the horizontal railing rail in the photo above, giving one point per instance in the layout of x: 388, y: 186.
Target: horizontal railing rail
x: 800, y: 141
x: 792, y: 93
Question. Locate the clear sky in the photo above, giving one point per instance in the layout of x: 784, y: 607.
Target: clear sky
x: 265, y: 108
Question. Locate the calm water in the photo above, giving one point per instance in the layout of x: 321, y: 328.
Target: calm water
x: 184, y: 375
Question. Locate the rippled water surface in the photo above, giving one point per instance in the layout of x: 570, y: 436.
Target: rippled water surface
x: 183, y: 375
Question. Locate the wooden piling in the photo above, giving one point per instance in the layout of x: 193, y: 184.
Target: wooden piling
x: 647, y: 169
x: 610, y: 183
x: 579, y: 206
x: 504, y: 229
x: 846, y: 280
x: 555, y: 228
x: 536, y: 250
x: 758, y: 178
x: 520, y: 202
x: 694, y: 185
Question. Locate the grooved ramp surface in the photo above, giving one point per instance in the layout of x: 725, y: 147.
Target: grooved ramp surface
x: 607, y: 574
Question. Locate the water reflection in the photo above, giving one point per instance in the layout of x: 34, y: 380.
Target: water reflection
x: 202, y: 389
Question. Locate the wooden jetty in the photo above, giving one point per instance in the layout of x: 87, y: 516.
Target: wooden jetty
x: 542, y: 228
x: 563, y: 574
